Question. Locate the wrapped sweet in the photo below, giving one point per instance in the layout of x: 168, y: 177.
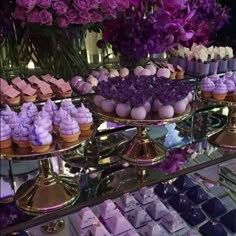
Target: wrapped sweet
x: 212, y: 229
x: 164, y: 190
x: 197, y: 194
x: 193, y: 216
x: 229, y: 220
x: 183, y: 183
x: 180, y: 202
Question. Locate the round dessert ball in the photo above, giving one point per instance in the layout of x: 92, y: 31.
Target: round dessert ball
x: 104, y: 71
x: 180, y: 107
x: 98, y: 99
x: 138, y: 70
x: 156, y: 104
x: 92, y: 80
x: 75, y: 80
x: 138, y: 113
x: 151, y: 68
x: 166, y: 111
x: 123, y: 110
x: 147, y: 106
x: 190, y: 96
x: 124, y: 72
x: 145, y: 72
x: 113, y: 73
x: 108, y: 105
x: 163, y: 72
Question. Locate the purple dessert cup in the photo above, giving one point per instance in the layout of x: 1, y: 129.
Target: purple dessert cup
x: 232, y: 64
x: 182, y: 63
x: 213, y: 67
x: 223, y: 66
x: 204, y: 69
x: 174, y: 61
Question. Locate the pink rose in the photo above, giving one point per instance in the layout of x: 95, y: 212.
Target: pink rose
x: 95, y: 16
x: 33, y: 16
x: 60, y: 8
x: 45, y: 17
x: 28, y: 4
x: 44, y: 3
x: 81, y: 5
x: 19, y: 13
x: 72, y: 15
x: 123, y: 4
x: 112, y: 4
x: 62, y: 22
x: 85, y: 16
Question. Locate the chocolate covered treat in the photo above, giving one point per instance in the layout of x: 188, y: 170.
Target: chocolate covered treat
x: 85, y: 218
x: 131, y: 232
x: 193, y: 216
x: 97, y: 230
x: 157, y: 210
x: 107, y: 209
x: 127, y: 203
x: 212, y: 229
x: 197, y: 194
x: 172, y: 222
x: 229, y: 220
x: 183, y: 183
x: 214, y: 208
x: 152, y: 229
x: 180, y: 202
x: 138, y: 217
x: 164, y: 190
x: 192, y: 233
x: 145, y: 195
x: 117, y: 224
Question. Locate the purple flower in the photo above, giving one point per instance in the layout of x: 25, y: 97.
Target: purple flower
x: 111, y: 4
x: 95, y: 16
x: 59, y: 7
x: 27, y: 4
x: 62, y: 22
x: 124, y: 4
x: 81, y: 5
x: 19, y: 13
x: 72, y: 15
x: 45, y: 17
x: 33, y: 16
x: 44, y: 3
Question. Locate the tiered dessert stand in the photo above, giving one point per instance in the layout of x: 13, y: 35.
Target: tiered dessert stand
x: 49, y: 191
x: 225, y: 138
x: 141, y: 150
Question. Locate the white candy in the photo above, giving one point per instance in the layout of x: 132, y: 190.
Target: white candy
x: 92, y: 80
x: 138, y: 113
x: 156, y: 105
x: 108, y: 105
x: 123, y: 110
x: 145, y: 72
x: 147, y: 107
x: 98, y: 99
x: 138, y: 70
x: 180, y: 107
x: 163, y: 72
x: 166, y: 112
x: 124, y: 72
x: 151, y: 68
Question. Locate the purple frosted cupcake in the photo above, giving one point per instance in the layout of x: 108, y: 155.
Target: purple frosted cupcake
x: 20, y: 135
x: 207, y: 87
x: 220, y: 91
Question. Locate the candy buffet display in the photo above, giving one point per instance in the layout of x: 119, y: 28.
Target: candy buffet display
x: 201, y: 61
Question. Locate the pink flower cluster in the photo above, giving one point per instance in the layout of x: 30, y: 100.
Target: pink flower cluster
x: 66, y: 12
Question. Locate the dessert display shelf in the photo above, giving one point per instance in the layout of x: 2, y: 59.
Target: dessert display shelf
x: 226, y: 137
x: 141, y: 150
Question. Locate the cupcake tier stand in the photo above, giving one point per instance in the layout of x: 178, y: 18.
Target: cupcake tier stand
x: 49, y: 191
x: 225, y: 138
x: 140, y: 150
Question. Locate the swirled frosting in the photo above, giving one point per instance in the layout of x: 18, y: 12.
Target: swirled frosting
x: 207, y: 85
x: 43, y: 122
x: 40, y: 136
x: 30, y: 109
x: 21, y: 132
x: 50, y: 107
x: 83, y: 115
x: 5, y: 132
x: 220, y: 87
x: 69, y: 107
x: 59, y: 116
x: 13, y: 121
x: 69, y: 125
x: 23, y: 116
x: 230, y: 85
x: 6, y: 113
x: 44, y: 114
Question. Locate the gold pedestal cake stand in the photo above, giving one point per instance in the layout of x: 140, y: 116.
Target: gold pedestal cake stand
x: 225, y: 138
x: 141, y: 150
x: 49, y: 191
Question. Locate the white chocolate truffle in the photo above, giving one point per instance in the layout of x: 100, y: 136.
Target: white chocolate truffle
x: 108, y: 105
x: 145, y: 72
x: 156, y: 104
x: 124, y: 72
x: 123, y: 110
x: 98, y: 99
x: 166, y: 111
x: 113, y: 73
x: 138, y: 70
x: 180, y: 107
x: 138, y: 113
x: 92, y: 80
x: 151, y: 68
x: 163, y: 72
x: 147, y: 106
x: 103, y: 71
x: 190, y: 97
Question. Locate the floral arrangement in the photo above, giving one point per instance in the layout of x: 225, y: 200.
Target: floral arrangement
x: 156, y: 26
x: 66, y: 12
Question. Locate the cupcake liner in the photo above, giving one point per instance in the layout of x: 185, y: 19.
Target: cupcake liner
x: 223, y: 66
x: 232, y: 64
x: 204, y: 69
x: 213, y: 67
x: 174, y: 61
x: 182, y: 63
x: 191, y: 67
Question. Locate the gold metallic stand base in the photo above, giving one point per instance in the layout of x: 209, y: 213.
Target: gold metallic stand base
x: 226, y: 138
x: 141, y: 150
x: 48, y: 192
x: 53, y: 227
